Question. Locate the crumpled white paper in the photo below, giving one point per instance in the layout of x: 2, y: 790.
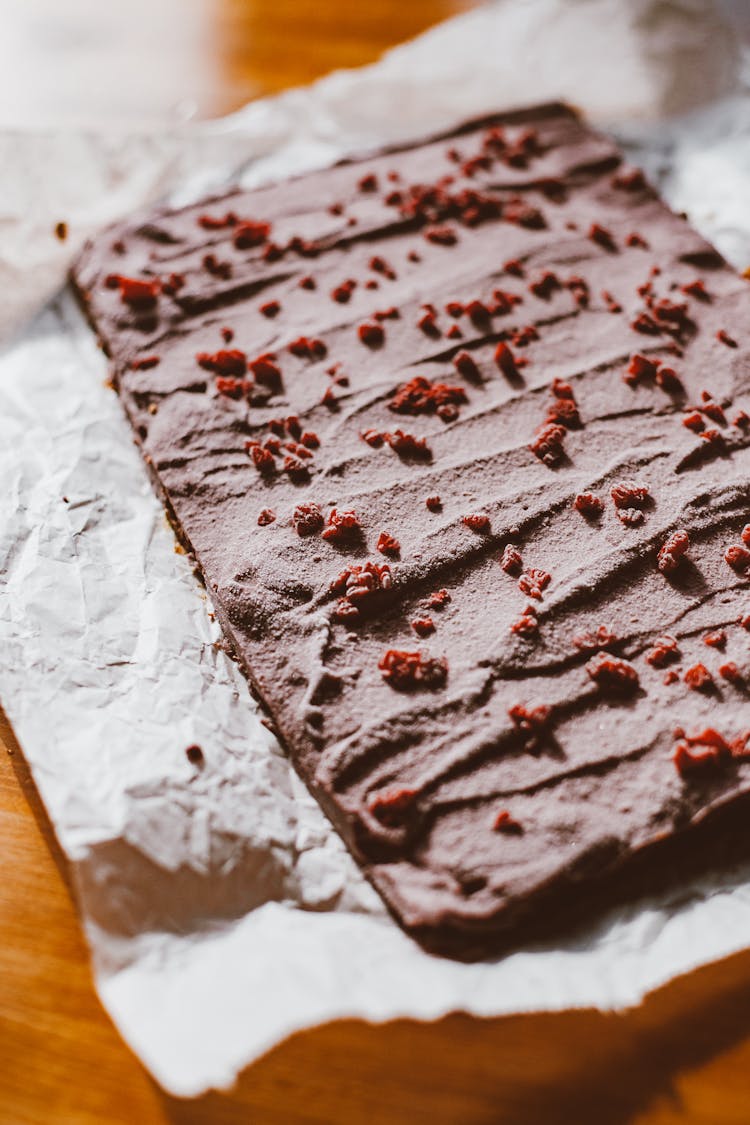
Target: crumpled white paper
x: 222, y: 910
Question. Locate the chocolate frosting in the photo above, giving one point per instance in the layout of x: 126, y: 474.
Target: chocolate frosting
x: 511, y: 770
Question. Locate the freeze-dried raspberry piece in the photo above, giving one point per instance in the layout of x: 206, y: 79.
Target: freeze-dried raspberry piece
x: 672, y: 552
x: 263, y: 460
x: 631, y: 517
x: 590, y: 506
x: 723, y: 337
x: 579, y: 287
x: 696, y: 289
x: 527, y: 624
x: 730, y: 672
x: 640, y: 369
x: 665, y: 650
x: 511, y: 560
x: 144, y: 363
x: 595, y: 639
x: 716, y: 638
x: 693, y: 421
x: 713, y: 752
x: 612, y: 674
x: 136, y: 292
x: 408, y: 446
x: 423, y: 626
x: 228, y: 361
x: 601, y: 236
x: 363, y: 587
x: 531, y: 722
x: 629, y: 494
x: 266, y: 516
x: 341, y: 527
x: 296, y: 468
x: 533, y: 582
x: 714, y: 411
x: 249, y: 234
x: 523, y: 336
x: 420, y: 396
x: 698, y: 678
x: 307, y: 347
x: 465, y: 365
x: 217, y: 222
x: 307, y: 519
x: 565, y: 412
x: 545, y: 285
x: 266, y: 371
x: 390, y: 806
x: 739, y: 559
x: 669, y: 381
x: 745, y: 535
x: 441, y: 236
x: 646, y: 325
x: 478, y: 313
x: 371, y: 334
x: 428, y: 324
x: 433, y: 503
x: 478, y: 523
x: 388, y: 544
x: 410, y: 671
x: 438, y: 599
x: 636, y: 240
x: 548, y: 444
x: 373, y: 438
x: 506, y: 361
x: 505, y: 823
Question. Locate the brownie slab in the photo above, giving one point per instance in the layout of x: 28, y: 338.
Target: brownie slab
x: 457, y: 436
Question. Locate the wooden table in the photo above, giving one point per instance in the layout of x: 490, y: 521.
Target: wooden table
x: 684, y: 1056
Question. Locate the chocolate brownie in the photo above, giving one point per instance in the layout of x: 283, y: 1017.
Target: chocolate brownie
x: 457, y: 435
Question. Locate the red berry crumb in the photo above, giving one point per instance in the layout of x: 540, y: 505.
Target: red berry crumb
x: 665, y: 650
x: 533, y: 582
x: 612, y: 674
x: 590, y: 506
x: 438, y: 599
x: 342, y: 527
x: 480, y: 524
x: 739, y: 559
x: 717, y: 638
x: 511, y: 560
x: 307, y: 520
x: 505, y: 823
x: 423, y: 626
x: 730, y: 672
x: 390, y: 805
x: 672, y: 552
x: 387, y: 544
x: 371, y: 334
x: 409, y: 671
x: 266, y: 516
x: 698, y: 678
x: 434, y: 503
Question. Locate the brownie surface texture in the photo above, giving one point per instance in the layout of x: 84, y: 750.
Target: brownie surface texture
x: 457, y: 436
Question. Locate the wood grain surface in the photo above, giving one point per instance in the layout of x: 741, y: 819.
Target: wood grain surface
x: 683, y: 1056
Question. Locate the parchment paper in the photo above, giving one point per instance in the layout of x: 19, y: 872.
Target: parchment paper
x: 222, y: 910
